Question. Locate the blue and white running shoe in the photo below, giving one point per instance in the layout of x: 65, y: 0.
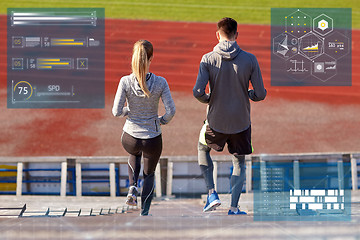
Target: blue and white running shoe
x: 238, y: 212
x: 212, y: 202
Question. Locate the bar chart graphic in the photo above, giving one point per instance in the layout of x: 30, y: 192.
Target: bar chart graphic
x: 58, y: 54
x: 55, y: 63
x: 54, y: 18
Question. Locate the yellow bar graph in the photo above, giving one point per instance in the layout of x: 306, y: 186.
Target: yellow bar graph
x: 63, y: 40
x: 71, y: 44
x: 49, y: 59
x: 68, y: 42
x: 55, y: 63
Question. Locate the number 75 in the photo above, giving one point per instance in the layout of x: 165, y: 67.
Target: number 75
x: 23, y: 90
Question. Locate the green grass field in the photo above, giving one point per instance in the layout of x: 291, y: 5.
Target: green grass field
x: 244, y: 11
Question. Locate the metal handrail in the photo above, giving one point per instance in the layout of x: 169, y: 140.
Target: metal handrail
x: 77, y: 161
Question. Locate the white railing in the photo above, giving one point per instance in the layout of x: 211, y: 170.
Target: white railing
x: 171, y: 160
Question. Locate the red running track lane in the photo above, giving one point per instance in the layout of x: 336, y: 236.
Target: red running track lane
x: 178, y: 50
x: 180, y: 45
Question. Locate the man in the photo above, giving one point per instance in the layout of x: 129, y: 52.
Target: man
x: 228, y: 69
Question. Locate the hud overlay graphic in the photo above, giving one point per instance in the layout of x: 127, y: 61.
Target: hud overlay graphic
x: 55, y: 58
x: 302, y: 191
x: 311, y: 47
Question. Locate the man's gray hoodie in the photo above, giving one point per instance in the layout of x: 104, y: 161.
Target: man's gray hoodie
x: 228, y: 69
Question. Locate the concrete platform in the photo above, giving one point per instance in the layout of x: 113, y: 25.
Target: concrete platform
x: 171, y: 219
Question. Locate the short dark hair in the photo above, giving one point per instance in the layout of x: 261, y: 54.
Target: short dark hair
x: 228, y: 26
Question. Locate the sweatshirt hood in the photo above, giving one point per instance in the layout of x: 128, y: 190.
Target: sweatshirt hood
x: 227, y: 49
x: 150, y: 80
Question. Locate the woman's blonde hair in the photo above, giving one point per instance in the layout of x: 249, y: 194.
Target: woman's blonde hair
x: 142, y: 52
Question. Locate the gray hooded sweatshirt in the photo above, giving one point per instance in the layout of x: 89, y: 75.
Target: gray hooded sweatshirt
x: 142, y: 113
x: 228, y: 69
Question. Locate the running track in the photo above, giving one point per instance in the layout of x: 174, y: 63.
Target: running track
x: 179, y: 47
x: 178, y: 50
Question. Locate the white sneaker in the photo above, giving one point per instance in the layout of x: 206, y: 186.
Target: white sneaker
x: 132, y: 195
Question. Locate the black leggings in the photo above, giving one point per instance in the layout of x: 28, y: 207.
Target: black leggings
x: 151, y: 150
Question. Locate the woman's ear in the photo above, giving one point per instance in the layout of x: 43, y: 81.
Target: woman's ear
x: 151, y: 58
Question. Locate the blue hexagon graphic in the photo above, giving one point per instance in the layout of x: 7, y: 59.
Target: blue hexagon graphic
x: 336, y: 45
x: 285, y: 45
x: 298, y: 67
x: 324, y: 67
x: 323, y: 24
x: 298, y: 23
x: 311, y: 45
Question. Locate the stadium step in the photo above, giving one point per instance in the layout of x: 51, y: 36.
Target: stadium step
x: 23, y: 211
x: 12, y: 211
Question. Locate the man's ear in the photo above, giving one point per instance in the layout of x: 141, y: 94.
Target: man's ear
x: 236, y: 35
x: 218, y: 35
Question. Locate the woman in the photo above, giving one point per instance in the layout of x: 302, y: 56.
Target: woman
x: 142, y: 133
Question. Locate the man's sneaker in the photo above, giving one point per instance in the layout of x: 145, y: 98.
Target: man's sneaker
x: 238, y: 212
x: 212, y: 202
x: 131, y: 197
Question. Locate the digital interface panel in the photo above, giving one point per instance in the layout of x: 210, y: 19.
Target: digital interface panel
x: 311, y: 47
x: 55, y: 58
x: 309, y: 191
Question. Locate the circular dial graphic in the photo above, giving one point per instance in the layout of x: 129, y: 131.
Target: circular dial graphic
x: 22, y: 91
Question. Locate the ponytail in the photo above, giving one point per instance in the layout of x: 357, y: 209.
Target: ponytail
x: 142, y: 52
